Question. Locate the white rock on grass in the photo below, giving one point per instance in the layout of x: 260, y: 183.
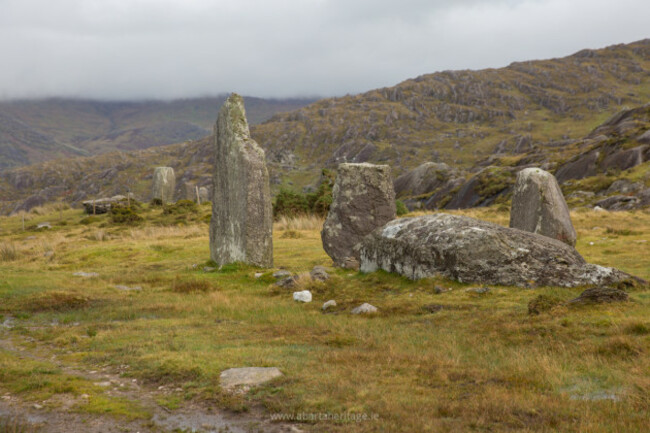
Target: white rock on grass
x: 247, y: 376
x: 364, y: 308
x: 86, y: 274
x: 329, y: 304
x: 304, y: 296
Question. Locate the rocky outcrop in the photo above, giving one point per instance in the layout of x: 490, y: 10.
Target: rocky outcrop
x: 164, y: 184
x: 423, y: 179
x: 103, y: 205
x: 538, y: 206
x: 362, y: 200
x: 469, y: 250
x: 242, y: 219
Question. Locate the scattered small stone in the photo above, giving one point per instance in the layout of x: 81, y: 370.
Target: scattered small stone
x: 44, y: 226
x: 127, y: 288
x: 104, y: 384
x: 438, y: 290
x: 247, y: 376
x: 258, y: 274
x: 281, y: 274
x: 6, y: 397
x: 37, y: 406
x: 599, y: 295
x: 86, y: 274
x: 479, y: 290
x: 304, y: 296
x: 209, y: 269
x: 329, y: 304
x: 319, y: 273
x: 350, y: 263
x: 364, y: 308
x: 289, y: 283
x: 599, y: 209
x: 591, y: 243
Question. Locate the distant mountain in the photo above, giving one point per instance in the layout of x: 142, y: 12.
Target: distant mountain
x: 484, y: 125
x: 34, y: 131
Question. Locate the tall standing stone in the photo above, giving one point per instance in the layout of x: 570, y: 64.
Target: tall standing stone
x: 242, y: 215
x: 363, y: 199
x: 164, y: 183
x: 538, y: 206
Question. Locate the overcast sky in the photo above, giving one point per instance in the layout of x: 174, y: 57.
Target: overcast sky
x: 131, y: 49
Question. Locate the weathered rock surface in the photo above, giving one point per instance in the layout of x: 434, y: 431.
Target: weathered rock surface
x: 247, y: 376
x: 618, y: 202
x: 469, y: 250
x: 362, y: 200
x: 538, y: 206
x: 242, y: 218
x: 164, y: 184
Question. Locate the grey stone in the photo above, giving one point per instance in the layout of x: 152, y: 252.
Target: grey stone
x: 329, y: 304
x: 209, y: 268
x: 242, y: 215
x: 204, y: 194
x: 44, y: 226
x: 364, y: 308
x: 478, y: 290
x: 164, y: 184
x: 127, y: 288
x: 86, y: 274
x: 281, y: 274
x: 469, y: 250
x: 599, y: 295
x: 289, y: 282
x: 362, y: 200
x: 618, y: 202
x: 319, y: 273
x: 350, y: 263
x: 302, y: 296
x: 538, y: 206
x: 247, y: 376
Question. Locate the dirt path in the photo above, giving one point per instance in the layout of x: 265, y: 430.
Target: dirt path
x: 55, y: 415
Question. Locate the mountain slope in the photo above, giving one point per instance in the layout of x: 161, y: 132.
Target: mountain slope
x: 40, y: 130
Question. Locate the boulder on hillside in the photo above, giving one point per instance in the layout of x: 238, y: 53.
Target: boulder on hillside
x: 538, y: 206
x: 425, y: 178
x: 470, y: 250
x: 362, y: 200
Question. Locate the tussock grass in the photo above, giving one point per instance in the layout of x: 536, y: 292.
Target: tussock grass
x: 8, y: 252
x: 55, y: 301
x: 194, y: 285
x: 15, y: 424
x: 300, y: 222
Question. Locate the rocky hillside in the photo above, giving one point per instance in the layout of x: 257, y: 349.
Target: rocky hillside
x: 40, y: 130
x: 474, y: 129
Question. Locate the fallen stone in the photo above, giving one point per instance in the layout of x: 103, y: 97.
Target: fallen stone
x: 329, y: 304
x: 599, y: 295
x: 242, y: 215
x: 247, y: 376
x: 364, y: 308
x: 86, y: 274
x: 362, y: 200
x: 303, y: 296
x: 538, y: 206
x: 164, y: 184
x: 319, y: 274
x: 469, y: 250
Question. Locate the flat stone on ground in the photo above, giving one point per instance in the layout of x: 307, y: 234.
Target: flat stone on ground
x: 247, y: 376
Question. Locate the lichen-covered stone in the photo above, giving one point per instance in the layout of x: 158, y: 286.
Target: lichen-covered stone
x: 474, y: 251
x: 164, y: 183
x: 242, y: 218
x: 538, y: 206
x: 362, y: 200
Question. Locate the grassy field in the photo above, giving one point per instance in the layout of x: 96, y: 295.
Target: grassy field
x: 427, y: 362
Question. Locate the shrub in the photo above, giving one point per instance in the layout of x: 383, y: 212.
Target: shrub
x: 124, y: 215
x: 542, y: 303
x: 401, y: 208
x: 181, y: 207
x: 288, y: 202
x: 89, y: 220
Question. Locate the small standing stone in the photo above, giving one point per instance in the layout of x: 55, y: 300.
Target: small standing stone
x: 242, y: 216
x: 164, y: 184
x: 538, y: 206
x: 363, y: 199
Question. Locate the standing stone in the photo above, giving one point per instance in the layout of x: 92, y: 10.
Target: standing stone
x: 538, y: 206
x: 363, y: 199
x: 204, y: 195
x: 242, y: 216
x: 164, y: 183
